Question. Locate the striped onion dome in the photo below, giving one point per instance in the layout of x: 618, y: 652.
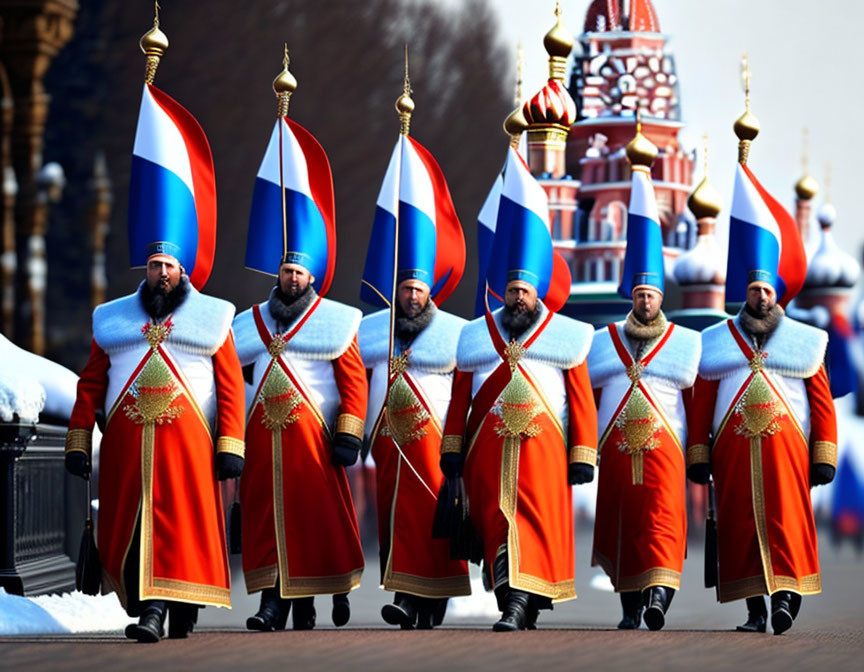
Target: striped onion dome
x: 551, y: 105
x: 830, y: 267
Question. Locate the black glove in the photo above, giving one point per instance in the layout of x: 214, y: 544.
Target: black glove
x: 821, y: 474
x: 579, y: 473
x: 451, y: 464
x: 77, y: 463
x: 228, y: 465
x: 345, y: 450
x: 699, y: 472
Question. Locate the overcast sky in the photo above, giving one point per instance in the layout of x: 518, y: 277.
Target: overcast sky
x: 805, y: 58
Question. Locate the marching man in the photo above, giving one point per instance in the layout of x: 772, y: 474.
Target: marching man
x: 642, y: 370
x: 308, y: 392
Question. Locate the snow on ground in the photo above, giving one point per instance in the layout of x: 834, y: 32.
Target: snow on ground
x: 60, y: 614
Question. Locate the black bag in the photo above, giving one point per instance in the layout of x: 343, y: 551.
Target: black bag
x: 453, y: 522
x: 88, y: 569
x: 711, y: 558
x: 235, y: 539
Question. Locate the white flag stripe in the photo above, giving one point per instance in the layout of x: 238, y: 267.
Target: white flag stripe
x: 416, y: 187
x: 521, y: 187
x: 488, y: 216
x: 642, y: 200
x: 388, y: 199
x: 295, y: 173
x: 748, y: 206
x: 158, y: 139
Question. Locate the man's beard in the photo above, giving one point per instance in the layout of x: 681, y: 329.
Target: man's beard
x: 159, y: 303
x: 638, y: 330
x: 757, y: 324
x: 285, y: 308
x: 516, y: 321
x: 407, y: 328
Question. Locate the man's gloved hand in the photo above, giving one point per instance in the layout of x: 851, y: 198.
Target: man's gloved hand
x: 579, y: 473
x: 228, y: 465
x: 345, y: 450
x: 821, y: 474
x: 699, y: 472
x: 77, y: 463
x: 451, y: 464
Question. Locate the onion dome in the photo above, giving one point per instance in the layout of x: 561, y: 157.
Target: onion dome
x: 558, y: 41
x: 705, y: 201
x: 553, y: 104
x: 153, y: 43
x: 613, y: 15
x: 703, y: 264
x: 806, y: 188
x: 515, y: 123
x: 640, y: 150
x: 830, y: 267
x: 284, y: 85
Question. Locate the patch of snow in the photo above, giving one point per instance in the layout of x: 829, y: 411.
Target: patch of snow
x: 602, y: 583
x: 77, y: 612
x: 21, y: 616
x: 480, y: 604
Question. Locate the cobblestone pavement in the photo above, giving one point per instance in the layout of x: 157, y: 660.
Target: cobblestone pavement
x: 829, y: 634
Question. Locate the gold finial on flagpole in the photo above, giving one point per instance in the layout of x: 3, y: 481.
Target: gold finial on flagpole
x: 405, y: 104
x: 746, y: 127
x: 285, y: 84
x: 705, y: 200
x: 807, y: 187
x: 640, y: 150
x: 153, y: 43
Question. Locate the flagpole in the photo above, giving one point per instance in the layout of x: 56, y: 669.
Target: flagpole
x: 405, y: 107
x: 283, y: 86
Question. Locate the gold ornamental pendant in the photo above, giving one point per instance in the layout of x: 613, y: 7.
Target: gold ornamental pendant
x: 407, y: 419
x: 154, y: 390
x: 639, y: 425
x: 758, y: 410
x: 156, y: 333
x: 280, y: 399
x: 517, y: 407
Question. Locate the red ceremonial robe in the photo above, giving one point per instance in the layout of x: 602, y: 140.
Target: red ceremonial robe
x: 157, y: 461
x: 640, y: 527
x: 760, y: 461
x: 516, y: 465
x: 299, y: 524
x: 408, y: 478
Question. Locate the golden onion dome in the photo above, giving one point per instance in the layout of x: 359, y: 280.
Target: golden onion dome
x: 285, y: 82
x: 515, y: 123
x: 746, y: 126
x: 806, y: 188
x: 640, y: 150
x: 559, y: 41
x: 405, y: 104
x: 154, y: 41
x: 705, y: 201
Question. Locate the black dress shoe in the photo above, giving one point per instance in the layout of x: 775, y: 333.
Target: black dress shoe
x: 781, y: 612
x: 514, y: 616
x: 656, y: 604
x: 181, y: 620
x: 341, y: 613
x: 757, y: 616
x: 272, y: 614
x: 439, y: 611
x: 304, y: 613
x: 403, y: 611
x: 150, y: 627
x: 631, y: 608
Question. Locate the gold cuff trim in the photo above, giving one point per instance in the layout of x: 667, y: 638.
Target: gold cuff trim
x: 228, y: 444
x: 424, y: 586
x: 698, y: 454
x: 349, y: 424
x: 80, y: 440
x: 451, y: 444
x: 583, y: 454
x: 261, y: 578
x: 658, y: 576
x: 754, y: 586
x: 825, y: 452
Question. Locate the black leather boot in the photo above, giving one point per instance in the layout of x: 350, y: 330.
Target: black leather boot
x: 304, y: 613
x: 631, y: 607
x: 657, y: 601
x: 757, y: 615
x: 341, y: 613
x: 514, y: 616
x: 272, y: 614
x: 439, y: 611
x: 403, y: 611
x: 150, y: 627
x: 784, y: 608
x: 181, y: 619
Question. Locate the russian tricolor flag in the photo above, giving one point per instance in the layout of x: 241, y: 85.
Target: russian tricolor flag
x: 522, y: 245
x: 431, y: 243
x: 172, y: 193
x: 308, y: 233
x: 763, y: 237
x: 643, y: 259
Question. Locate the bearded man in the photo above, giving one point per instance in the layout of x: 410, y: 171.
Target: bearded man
x: 642, y: 370
x: 522, y: 428
x: 762, y: 403
x: 408, y: 403
x: 305, y: 424
x: 164, y: 369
